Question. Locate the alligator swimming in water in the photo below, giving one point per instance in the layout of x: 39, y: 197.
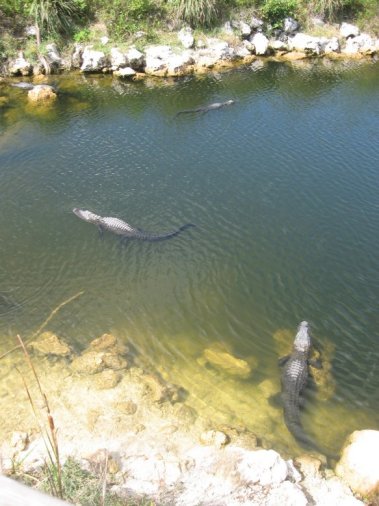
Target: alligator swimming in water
x: 294, y: 379
x: 123, y: 229
x: 23, y: 85
x: 206, y: 108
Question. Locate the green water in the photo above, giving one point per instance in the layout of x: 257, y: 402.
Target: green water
x: 283, y: 190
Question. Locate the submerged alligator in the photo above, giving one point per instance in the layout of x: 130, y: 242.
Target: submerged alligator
x: 294, y: 379
x: 123, y: 229
x: 22, y: 85
x: 206, y: 108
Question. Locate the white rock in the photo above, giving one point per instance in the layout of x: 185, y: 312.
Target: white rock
x: 104, y: 40
x: 278, y: 45
x: 288, y: 494
x: 93, y: 61
x: 363, y: 43
x: 136, y: 59
x: 118, y: 58
x: 260, y: 42
x: 20, y: 66
x: 186, y: 38
x: 265, y: 467
x: 348, y: 30
x: 245, y: 29
x: 359, y: 464
x: 332, y: 46
x: 306, y: 43
x: 124, y: 72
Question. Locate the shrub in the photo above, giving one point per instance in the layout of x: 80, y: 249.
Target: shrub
x: 274, y: 11
x: 199, y: 12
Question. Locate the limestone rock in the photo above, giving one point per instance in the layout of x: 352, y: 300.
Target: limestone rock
x: 359, y: 464
x: 260, y: 42
x: 48, y: 343
x: 118, y: 58
x: 106, y: 380
x: 215, y: 438
x: 136, y: 59
x: 90, y: 362
x: 186, y: 38
x: 221, y: 359
x: 20, y: 66
x: 290, y: 25
x: 126, y: 407
x: 53, y: 57
x: 306, y: 43
x: 348, y: 30
x: 109, y: 343
x: 93, y: 61
x: 42, y: 93
x: 77, y: 56
x: 265, y: 467
x: 362, y: 43
x: 125, y: 72
x: 245, y: 29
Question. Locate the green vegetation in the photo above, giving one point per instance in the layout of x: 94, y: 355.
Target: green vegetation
x: 60, y: 18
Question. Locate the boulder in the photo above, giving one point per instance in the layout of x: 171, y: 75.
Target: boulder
x: 363, y: 44
x: 20, y: 66
x: 347, y: 30
x: 186, y: 38
x: 136, y: 59
x: 53, y: 57
x: 42, y: 93
x: 48, y: 343
x: 332, y: 46
x: 90, y: 362
x: 256, y: 23
x: 359, y: 463
x: 245, y: 30
x: 290, y: 25
x: 305, y: 43
x: 225, y: 361
x: 77, y: 56
x: 260, y: 42
x: 125, y: 72
x: 93, y: 61
x: 215, y: 438
x: 118, y: 59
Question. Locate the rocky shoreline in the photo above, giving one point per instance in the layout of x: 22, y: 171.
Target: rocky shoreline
x: 108, y: 408
x: 240, y: 42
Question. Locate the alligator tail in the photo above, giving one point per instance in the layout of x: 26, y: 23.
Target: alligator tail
x: 293, y: 423
x: 162, y: 237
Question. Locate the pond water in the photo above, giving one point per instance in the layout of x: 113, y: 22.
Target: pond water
x: 283, y: 190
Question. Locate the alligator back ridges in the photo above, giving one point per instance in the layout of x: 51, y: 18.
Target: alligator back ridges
x: 123, y: 229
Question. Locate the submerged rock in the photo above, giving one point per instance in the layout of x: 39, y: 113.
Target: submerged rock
x: 225, y: 361
x: 90, y: 362
x: 48, y: 343
x: 359, y: 463
x: 106, y: 380
x: 215, y: 438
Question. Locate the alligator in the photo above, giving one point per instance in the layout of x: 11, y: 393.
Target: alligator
x: 123, y: 229
x: 206, y: 108
x: 294, y: 378
x: 22, y: 85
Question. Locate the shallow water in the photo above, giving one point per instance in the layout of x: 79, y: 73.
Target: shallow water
x: 283, y: 190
